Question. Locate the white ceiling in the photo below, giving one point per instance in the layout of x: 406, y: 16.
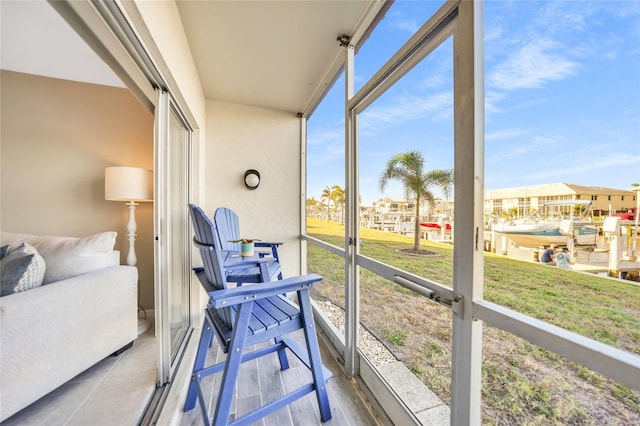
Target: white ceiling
x: 36, y: 40
x: 273, y: 54
x: 267, y: 53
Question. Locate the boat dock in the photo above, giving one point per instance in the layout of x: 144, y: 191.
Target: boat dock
x: 613, y: 254
x: 603, y: 267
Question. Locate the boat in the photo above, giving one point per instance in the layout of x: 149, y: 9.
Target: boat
x: 536, y: 232
x: 530, y: 233
x: 630, y: 214
x: 434, y: 225
x: 547, y: 233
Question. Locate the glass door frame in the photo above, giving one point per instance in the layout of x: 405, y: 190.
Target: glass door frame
x: 461, y: 21
x: 168, y: 357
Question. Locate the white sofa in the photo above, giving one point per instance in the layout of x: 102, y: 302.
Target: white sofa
x: 84, y: 311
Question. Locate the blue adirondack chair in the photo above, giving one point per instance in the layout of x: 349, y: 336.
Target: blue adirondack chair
x: 243, y: 316
x: 228, y: 229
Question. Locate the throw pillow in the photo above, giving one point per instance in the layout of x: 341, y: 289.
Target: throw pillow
x: 4, y: 250
x: 68, y: 257
x: 21, y: 269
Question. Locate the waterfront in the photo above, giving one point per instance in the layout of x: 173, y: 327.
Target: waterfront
x: 593, y: 259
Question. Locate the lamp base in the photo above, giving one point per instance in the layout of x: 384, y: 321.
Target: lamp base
x: 143, y: 325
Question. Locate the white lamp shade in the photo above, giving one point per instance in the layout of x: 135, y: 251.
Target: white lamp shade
x: 128, y: 184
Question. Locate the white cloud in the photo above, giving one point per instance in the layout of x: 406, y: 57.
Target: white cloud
x: 326, y: 135
x: 561, y: 16
x: 532, y: 66
x: 504, y: 134
x: 407, y: 108
x: 517, y: 151
x: 568, y: 171
x: 325, y: 145
x: 329, y: 153
x: 403, y: 23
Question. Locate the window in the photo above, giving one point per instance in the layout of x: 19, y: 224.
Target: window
x: 508, y: 295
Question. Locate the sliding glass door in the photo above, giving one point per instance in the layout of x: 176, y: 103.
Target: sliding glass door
x: 172, y: 245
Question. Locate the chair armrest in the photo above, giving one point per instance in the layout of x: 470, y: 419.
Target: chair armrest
x: 232, y: 258
x: 267, y: 244
x: 247, y: 262
x: 273, y: 246
x: 237, y: 295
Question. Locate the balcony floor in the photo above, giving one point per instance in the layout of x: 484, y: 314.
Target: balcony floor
x: 261, y: 381
x: 115, y: 391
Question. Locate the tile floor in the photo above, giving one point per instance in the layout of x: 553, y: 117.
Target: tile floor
x: 113, y: 392
x: 262, y: 380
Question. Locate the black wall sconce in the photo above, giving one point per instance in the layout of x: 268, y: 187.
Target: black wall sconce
x: 251, y: 178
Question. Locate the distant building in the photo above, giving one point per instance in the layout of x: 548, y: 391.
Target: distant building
x: 525, y: 200
x: 408, y: 207
x: 394, y: 205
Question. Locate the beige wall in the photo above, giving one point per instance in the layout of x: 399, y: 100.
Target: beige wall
x: 162, y: 20
x: 242, y: 137
x: 57, y: 137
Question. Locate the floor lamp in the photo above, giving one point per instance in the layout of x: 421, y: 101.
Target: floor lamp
x: 131, y: 185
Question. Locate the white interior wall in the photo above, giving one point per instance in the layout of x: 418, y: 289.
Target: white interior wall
x: 57, y: 138
x: 242, y: 137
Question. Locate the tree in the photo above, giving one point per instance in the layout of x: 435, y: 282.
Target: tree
x: 335, y: 195
x: 311, y: 204
x: 408, y: 168
x: 339, y: 197
x: 327, y: 195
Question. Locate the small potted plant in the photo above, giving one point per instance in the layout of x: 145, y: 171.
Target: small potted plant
x: 246, y: 246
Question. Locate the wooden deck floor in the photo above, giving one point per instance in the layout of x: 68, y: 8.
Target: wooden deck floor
x: 261, y: 381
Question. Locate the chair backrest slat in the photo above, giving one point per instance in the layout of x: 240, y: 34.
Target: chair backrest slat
x: 207, y: 243
x: 228, y: 228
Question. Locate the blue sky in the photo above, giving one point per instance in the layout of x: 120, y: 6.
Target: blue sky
x: 562, y: 99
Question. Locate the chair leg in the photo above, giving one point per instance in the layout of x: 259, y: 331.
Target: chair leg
x: 315, y: 361
x: 282, y: 354
x: 206, y: 338
x: 232, y: 364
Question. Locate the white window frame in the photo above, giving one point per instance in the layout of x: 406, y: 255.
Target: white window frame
x: 464, y: 21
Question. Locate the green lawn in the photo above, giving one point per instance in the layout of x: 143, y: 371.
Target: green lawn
x: 522, y: 384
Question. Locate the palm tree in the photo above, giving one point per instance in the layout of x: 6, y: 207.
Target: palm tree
x: 311, y: 205
x: 335, y: 195
x: 339, y: 197
x: 447, y: 188
x: 327, y: 194
x: 408, y: 168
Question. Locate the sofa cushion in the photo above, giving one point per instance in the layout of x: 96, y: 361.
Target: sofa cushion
x: 21, y: 269
x: 68, y: 257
